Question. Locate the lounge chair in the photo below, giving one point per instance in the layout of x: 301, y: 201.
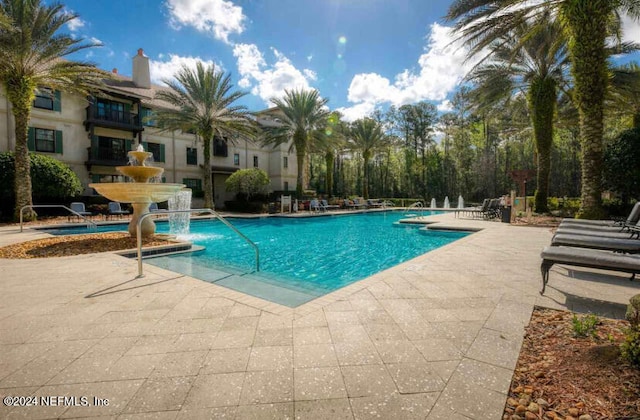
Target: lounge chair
x: 375, y: 204
x: 329, y: 206
x: 116, y: 210
x: 315, y: 205
x: 624, y: 245
x: 589, y: 258
x: 488, y: 209
x: 78, y: 208
x: 632, y: 219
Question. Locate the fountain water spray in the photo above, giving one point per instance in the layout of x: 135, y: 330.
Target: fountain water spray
x: 446, y: 203
x: 433, y: 203
x: 460, y: 202
x: 179, y: 222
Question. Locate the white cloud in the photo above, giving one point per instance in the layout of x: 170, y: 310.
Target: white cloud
x: 630, y: 29
x: 269, y: 80
x: 95, y: 40
x: 161, y: 70
x: 217, y: 17
x: 445, y: 106
x: 440, y: 70
x: 75, y: 25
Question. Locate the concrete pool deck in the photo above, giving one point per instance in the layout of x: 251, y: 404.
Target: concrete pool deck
x: 436, y: 337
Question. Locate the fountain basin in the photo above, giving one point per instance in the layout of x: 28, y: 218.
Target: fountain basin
x: 140, y: 195
x: 140, y: 173
x: 136, y: 192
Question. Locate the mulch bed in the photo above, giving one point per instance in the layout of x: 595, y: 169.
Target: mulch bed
x: 61, y: 246
x: 559, y: 376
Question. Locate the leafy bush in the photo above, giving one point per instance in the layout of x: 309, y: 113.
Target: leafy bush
x: 622, y: 167
x: 248, y: 182
x: 584, y: 326
x: 630, y: 349
x: 51, y: 180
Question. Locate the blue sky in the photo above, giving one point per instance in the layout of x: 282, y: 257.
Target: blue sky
x: 361, y: 54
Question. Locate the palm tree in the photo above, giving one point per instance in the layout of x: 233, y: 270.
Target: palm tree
x: 201, y: 101
x: 303, y: 116
x: 587, y: 25
x: 330, y: 140
x: 535, y: 64
x: 366, y: 136
x: 31, y: 52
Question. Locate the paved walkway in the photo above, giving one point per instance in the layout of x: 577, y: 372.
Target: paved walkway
x: 434, y: 338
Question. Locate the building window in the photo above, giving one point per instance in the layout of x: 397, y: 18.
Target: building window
x: 194, y: 183
x: 157, y: 149
x: 109, y: 148
x: 285, y: 162
x: 255, y: 161
x: 44, y: 99
x: 45, y: 140
x: 236, y: 159
x: 148, y: 117
x: 111, y: 111
x: 192, y: 156
x: 286, y: 186
x: 220, y: 147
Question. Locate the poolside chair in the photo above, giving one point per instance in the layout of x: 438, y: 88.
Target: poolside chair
x: 632, y: 219
x: 328, y: 206
x: 480, y: 212
x: 589, y: 258
x: 78, y: 208
x: 374, y: 204
x: 116, y: 210
x: 622, y: 245
x: 314, y: 205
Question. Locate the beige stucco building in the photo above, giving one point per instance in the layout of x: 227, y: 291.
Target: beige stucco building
x: 93, y: 136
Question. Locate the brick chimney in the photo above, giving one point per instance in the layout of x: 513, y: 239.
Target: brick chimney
x: 141, y: 74
x: 114, y: 71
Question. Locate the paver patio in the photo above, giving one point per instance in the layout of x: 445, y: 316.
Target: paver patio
x: 434, y: 338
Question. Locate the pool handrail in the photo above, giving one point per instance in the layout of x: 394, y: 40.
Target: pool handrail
x: 209, y: 211
x: 89, y: 222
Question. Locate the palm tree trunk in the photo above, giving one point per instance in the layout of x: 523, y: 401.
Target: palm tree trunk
x: 542, y: 101
x: 328, y: 159
x: 587, y: 23
x: 206, y: 172
x: 300, y: 154
x: 365, y: 175
x: 20, y: 94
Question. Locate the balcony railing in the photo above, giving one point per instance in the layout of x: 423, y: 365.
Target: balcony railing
x: 113, y: 119
x: 107, y: 156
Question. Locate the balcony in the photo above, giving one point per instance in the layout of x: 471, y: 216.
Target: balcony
x: 121, y: 120
x: 106, y: 156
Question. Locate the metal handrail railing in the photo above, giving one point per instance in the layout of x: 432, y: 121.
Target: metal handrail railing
x: 209, y: 211
x: 414, y: 205
x: 89, y: 222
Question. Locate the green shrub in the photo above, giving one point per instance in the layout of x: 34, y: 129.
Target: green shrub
x: 584, y: 326
x: 553, y: 203
x: 248, y: 182
x: 630, y: 348
x: 51, y: 180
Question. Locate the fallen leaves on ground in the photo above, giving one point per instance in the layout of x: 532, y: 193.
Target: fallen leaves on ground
x: 61, y: 246
x: 560, y: 376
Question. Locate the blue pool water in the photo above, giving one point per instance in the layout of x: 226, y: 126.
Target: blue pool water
x: 301, y: 258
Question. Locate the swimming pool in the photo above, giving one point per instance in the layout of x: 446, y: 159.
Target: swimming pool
x: 301, y: 258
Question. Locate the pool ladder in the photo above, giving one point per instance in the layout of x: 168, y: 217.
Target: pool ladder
x: 417, y: 204
x: 209, y: 211
x: 75, y: 213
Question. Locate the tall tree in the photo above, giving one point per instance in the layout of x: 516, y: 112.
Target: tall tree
x: 534, y: 62
x: 587, y: 25
x: 201, y: 100
x: 303, y: 117
x: 366, y: 136
x: 329, y: 142
x: 31, y: 53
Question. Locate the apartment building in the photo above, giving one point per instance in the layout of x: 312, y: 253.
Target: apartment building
x: 93, y: 136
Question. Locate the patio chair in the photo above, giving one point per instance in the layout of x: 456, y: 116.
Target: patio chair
x: 632, y: 219
x: 79, y: 208
x: 589, y: 258
x: 374, y: 204
x: 315, y: 205
x: 116, y: 210
x: 480, y: 212
x: 621, y: 245
x: 329, y: 206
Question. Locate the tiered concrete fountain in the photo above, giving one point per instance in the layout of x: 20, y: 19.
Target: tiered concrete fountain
x: 139, y: 193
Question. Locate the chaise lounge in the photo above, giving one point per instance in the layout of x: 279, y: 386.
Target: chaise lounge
x: 589, y: 258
